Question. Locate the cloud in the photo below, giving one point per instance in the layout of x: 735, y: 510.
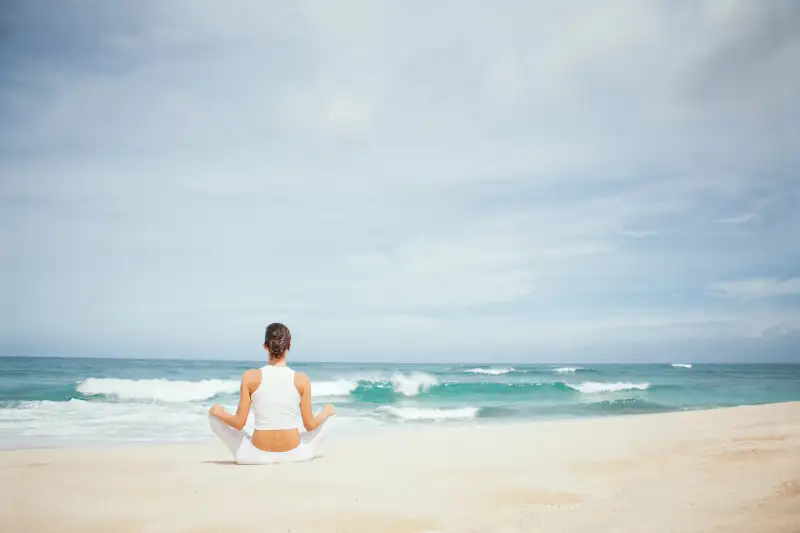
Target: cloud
x: 369, y: 168
x: 739, y: 219
x: 637, y: 234
x: 756, y: 288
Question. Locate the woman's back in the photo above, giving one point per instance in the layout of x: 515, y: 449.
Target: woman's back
x: 276, y: 401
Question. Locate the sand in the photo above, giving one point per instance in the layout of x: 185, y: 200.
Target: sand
x: 725, y: 470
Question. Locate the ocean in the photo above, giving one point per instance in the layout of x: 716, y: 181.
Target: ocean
x: 47, y: 402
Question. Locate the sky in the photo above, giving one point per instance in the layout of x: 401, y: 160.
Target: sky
x: 406, y: 181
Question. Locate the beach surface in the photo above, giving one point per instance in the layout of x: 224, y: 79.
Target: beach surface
x: 725, y: 470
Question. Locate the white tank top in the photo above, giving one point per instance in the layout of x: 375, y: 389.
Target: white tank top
x: 276, y: 402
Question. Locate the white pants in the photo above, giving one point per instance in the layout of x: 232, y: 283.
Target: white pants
x: 240, y: 444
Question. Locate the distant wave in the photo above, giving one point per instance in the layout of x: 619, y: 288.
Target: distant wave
x: 164, y: 390
x: 490, y: 371
x: 407, y: 385
x: 412, y: 384
x: 574, y: 369
x: 416, y: 413
x: 681, y: 365
x: 386, y: 390
x: 371, y: 389
x: 339, y: 387
x: 593, y: 387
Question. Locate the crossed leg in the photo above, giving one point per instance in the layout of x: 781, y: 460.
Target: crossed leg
x: 232, y: 438
x: 239, y: 443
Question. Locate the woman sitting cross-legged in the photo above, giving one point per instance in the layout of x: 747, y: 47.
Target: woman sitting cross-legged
x: 280, y: 397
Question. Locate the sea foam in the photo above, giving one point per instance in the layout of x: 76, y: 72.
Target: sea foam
x: 164, y: 390
x: 417, y: 413
x: 44, y: 422
x: 490, y: 371
x: 593, y: 387
x: 406, y: 384
x: 339, y: 387
x: 412, y: 384
x: 681, y: 365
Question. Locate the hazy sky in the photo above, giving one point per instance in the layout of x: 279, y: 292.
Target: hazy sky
x: 414, y: 180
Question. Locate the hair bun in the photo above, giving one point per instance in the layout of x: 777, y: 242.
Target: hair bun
x: 278, y: 339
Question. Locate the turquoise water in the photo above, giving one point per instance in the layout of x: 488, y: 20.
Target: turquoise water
x: 52, y: 402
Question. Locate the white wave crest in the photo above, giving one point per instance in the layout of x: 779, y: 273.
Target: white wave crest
x: 164, y: 390
x: 339, y: 387
x: 592, y: 387
x: 490, y: 371
x: 407, y: 385
x: 416, y: 413
x: 412, y: 384
x: 681, y: 365
x: 567, y: 369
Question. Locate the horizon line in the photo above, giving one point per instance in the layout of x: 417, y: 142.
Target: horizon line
x: 415, y: 362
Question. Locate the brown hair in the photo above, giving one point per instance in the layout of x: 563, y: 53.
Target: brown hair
x: 277, y: 339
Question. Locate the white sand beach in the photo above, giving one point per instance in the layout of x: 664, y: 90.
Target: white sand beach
x: 726, y: 470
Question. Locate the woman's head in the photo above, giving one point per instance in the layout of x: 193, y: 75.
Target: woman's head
x: 277, y: 340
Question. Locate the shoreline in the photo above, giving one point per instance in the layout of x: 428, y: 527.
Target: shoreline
x: 387, y: 429
x: 733, y: 469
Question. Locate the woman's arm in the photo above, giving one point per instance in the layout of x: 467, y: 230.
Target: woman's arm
x: 310, y: 421
x: 238, y: 420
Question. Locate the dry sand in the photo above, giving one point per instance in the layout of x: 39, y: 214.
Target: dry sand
x: 727, y: 470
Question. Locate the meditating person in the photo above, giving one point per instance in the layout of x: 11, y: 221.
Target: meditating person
x: 280, y: 397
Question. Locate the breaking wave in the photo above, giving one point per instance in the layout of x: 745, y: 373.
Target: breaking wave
x: 163, y: 390
x: 490, y: 371
x: 593, y: 387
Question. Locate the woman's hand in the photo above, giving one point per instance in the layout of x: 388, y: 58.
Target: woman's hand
x: 329, y: 410
x: 216, y: 409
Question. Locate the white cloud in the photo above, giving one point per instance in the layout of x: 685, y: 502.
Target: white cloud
x: 337, y: 116
x: 331, y: 163
x: 740, y: 219
x: 755, y: 288
x: 629, y: 335
x: 637, y: 234
x: 451, y: 273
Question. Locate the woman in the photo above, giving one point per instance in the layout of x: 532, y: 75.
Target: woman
x: 280, y: 397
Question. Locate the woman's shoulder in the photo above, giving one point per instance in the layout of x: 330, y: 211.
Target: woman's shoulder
x: 301, y: 380
x: 251, y: 375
